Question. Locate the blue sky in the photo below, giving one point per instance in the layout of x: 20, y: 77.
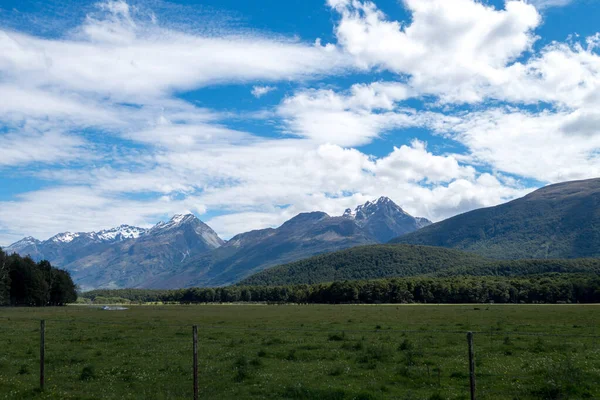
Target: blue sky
x: 247, y: 113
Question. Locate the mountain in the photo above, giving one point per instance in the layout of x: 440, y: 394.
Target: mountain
x: 27, y: 246
x: 133, y: 263
x: 556, y: 221
x: 401, y: 260
x: 305, y: 235
x: 185, y: 252
x: 384, y: 220
x: 125, y: 256
x: 66, y: 247
x: 302, y: 236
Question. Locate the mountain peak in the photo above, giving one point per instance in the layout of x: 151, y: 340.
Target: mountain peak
x: 179, y: 218
x: 364, y: 211
x: 383, y: 200
x: 28, y: 239
x: 384, y: 219
x: 176, y: 221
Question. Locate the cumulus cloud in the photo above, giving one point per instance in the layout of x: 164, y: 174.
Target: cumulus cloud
x: 347, y: 119
x: 529, y: 144
x: 415, y: 164
x: 450, y: 48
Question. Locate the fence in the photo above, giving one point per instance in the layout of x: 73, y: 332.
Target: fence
x: 154, y: 360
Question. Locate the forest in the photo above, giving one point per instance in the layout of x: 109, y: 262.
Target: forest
x: 391, y: 261
x: 23, y: 282
x: 543, y: 289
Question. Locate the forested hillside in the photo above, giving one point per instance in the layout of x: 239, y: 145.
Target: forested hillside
x: 365, y: 262
x: 557, y: 221
x: 387, y: 261
x: 25, y: 282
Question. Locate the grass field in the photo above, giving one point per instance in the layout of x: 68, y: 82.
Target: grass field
x: 303, y: 352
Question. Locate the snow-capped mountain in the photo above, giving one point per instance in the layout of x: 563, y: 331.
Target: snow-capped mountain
x: 123, y: 256
x: 184, y: 251
x: 384, y: 219
x: 27, y: 245
x: 120, y: 233
x: 117, y: 234
x: 302, y: 236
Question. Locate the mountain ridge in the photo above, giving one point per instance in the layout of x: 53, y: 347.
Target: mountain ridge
x: 185, y: 251
x: 557, y: 221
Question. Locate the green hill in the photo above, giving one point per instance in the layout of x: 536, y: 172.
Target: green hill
x: 557, y: 221
x: 388, y: 261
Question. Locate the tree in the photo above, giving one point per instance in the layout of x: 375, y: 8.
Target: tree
x: 4, y: 280
x: 25, y: 282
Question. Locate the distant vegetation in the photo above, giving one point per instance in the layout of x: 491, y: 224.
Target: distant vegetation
x: 547, y: 288
x: 25, y: 282
x: 387, y: 261
x: 120, y: 296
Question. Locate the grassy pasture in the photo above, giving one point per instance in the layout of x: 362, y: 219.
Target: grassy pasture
x: 303, y: 352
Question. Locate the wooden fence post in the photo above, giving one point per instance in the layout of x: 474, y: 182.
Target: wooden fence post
x: 195, y: 334
x: 42, y: 351
x: 471, y: 364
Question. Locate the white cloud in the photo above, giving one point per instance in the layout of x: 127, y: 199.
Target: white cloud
x: 260, y: 184
x: 355, y: 118
x: 450, y: 48
x: 414, y: 164
x: 116, y: 55
x: 46, y: 212
x: 547, y: 146
x: 259, y: 91
x: 41, y: 147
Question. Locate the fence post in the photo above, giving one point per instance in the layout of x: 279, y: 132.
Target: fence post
x: 471, y: 364
x: 42, y: 351
x: 195, y: 334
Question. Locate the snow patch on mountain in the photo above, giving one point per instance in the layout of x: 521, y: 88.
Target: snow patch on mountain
x: 65, y: 237
x: 364, y: 211
x: 120, y: 233
x: 176, y: 221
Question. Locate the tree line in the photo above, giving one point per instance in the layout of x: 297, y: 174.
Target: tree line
x: 547, y: 288
x: 23, y: 282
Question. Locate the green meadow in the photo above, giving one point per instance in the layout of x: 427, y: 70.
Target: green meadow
x: 303, y: 352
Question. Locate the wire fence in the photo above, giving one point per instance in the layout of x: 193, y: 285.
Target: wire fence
x: 73, y: 358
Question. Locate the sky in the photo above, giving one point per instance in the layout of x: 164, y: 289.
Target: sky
x: 247, y: 113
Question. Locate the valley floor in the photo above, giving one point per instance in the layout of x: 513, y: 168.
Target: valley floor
x: 303, y: 352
